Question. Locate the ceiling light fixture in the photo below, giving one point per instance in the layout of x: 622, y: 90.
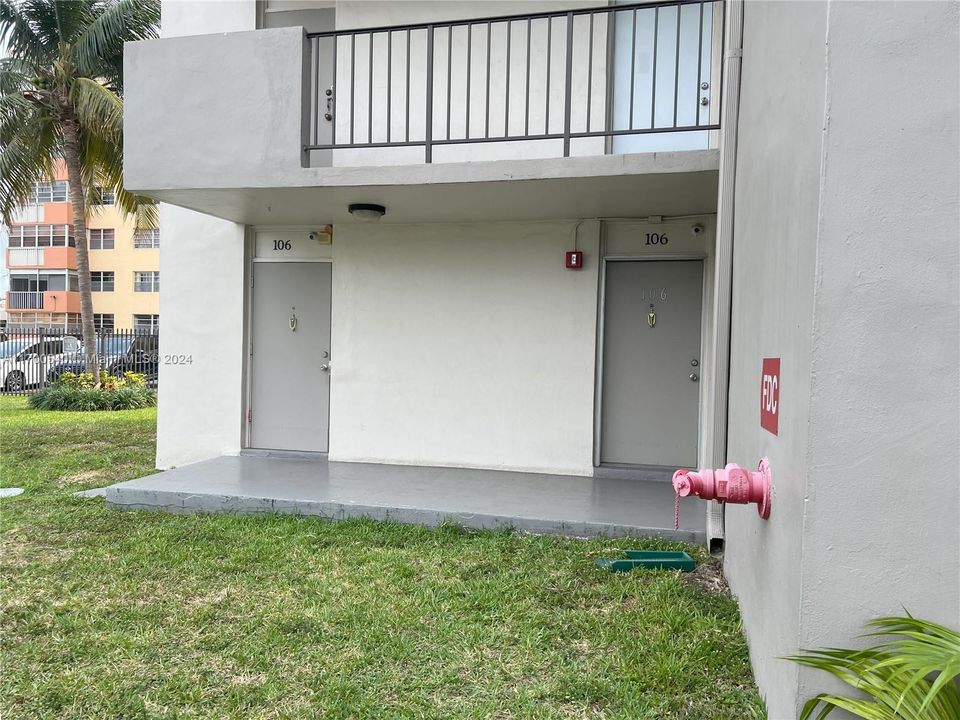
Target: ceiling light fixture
x: 366, y: 211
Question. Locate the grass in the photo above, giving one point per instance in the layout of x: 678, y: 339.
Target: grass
x: 109, y: 614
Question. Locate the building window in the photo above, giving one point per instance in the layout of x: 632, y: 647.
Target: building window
x: 44, y: 192
x: 101, y: 281
x: 101, y: 239
x: 41, y: 236
x: 147, y: 238
x: 103, y: 321
x: 146, y: 322
x: 146, y: 281
x: 104, y: 196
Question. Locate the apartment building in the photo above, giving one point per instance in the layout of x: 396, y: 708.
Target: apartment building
x: 582, y: 239
x: 41, y: 260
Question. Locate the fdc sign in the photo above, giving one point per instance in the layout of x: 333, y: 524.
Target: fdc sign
x: 770, y: 395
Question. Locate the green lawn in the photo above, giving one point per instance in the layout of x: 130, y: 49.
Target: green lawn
x: 144, y: 615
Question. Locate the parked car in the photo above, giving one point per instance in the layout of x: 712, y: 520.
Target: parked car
x: 118, y: 354
x: 24, y: 362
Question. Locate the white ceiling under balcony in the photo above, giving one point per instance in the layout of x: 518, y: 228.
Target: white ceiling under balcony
x: 675, y: 183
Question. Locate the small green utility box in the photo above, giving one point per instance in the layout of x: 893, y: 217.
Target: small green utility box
x: 651, y: 559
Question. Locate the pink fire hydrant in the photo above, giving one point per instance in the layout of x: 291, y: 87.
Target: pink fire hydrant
x: 732, y: 484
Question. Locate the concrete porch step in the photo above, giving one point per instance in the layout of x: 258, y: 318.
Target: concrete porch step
x: 481, y: 499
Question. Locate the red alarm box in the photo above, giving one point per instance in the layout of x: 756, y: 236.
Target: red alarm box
x: 574, y: 259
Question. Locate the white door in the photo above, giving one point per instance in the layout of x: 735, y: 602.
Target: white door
x: 290, y: 388
x: 651, y: 363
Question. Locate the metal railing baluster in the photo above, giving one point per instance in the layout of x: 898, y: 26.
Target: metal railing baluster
x: 696, y: 104
x: 428, y: 118
x: 579, y: 39
x: 546, y: 111
x: 676, y: 71
x: 469, y: 77
x: 506, y: 94
x: 449, y: 76
x: 567, y: 86
x: 526, y: 87
x: 353, y: 82
x: 653, y: 73
x: 406, y: 106
x: 633, y: 63
x: 370, y: 92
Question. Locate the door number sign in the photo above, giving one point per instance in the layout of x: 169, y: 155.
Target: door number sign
x: 770, y: 395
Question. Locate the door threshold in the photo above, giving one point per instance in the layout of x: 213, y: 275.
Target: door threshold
x: 288, y: 454
x: 646, y: 473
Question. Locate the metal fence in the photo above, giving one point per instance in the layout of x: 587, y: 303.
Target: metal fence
x: 621, y: 70
x: 32, y: 357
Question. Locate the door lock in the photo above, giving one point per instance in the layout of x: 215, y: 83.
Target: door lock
x: 694, y: 362
x: 328, y: 115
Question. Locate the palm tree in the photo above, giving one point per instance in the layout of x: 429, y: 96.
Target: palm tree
x: 61, y: 86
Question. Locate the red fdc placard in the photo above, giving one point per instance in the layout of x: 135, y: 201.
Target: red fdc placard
x: 770, y: 395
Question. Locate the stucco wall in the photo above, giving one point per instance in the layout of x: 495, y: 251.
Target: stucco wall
x: 845, y: 266
x: 464, y: 345
x: 775, y: 243
x: 883, y: 490
x: 201, y: 305
x: 231, y: 109
x: 198, y: 17
x: 201, y: 316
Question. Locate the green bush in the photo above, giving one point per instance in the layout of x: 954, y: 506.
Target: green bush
x: 910, y: 676
x: 79, y: 392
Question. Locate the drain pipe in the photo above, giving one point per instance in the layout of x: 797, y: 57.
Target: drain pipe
x: 730, y: 110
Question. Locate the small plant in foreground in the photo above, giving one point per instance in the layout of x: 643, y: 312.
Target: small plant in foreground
x: 80, y: 392
x: 910, y: 677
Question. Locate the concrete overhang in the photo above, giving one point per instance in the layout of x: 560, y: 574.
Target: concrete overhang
x: 674, y: 183
x: 230, y: 141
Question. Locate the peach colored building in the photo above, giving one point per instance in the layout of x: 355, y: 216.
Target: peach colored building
x: 41, y: 259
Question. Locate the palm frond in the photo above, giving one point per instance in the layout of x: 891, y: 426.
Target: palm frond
x: 15, y: 75
x: 920, y: 648
x: 98, y: 51
x: 910, y: 676
x: 18, y: 33
x: 96, y: 108
x: 102, y: 165
x: 26, y: 158
x: 57, y: 22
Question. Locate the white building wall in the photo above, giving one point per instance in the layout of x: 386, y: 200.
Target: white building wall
x: 201, y: 17
x: 882, y: 529
x: 201, y: 316
x: 464, y: 345
x: 846, y: 267
x: 201, y: 306
x: 774, y: 251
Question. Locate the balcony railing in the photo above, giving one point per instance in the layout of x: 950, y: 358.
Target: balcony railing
x: 596, y: 76
x: 24, y: 300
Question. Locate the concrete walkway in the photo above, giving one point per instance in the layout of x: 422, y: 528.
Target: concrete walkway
x: 555, y: 504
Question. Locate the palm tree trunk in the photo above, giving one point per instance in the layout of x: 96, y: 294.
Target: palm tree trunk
x: 71, y: 156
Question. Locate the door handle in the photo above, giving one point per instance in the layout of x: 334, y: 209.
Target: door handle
x: 694, y: 377
x: 325, y: 367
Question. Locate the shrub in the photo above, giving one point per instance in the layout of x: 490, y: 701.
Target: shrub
x: 911, y: 675
x: 79, y: 392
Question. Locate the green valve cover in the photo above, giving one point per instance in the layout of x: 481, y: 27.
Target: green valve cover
x: 652, y: 559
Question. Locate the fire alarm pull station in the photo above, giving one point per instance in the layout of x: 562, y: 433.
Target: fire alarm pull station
x: 574, y: 259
